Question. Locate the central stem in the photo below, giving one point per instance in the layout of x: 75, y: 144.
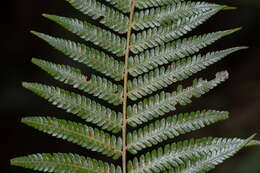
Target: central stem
x: 125, y: 86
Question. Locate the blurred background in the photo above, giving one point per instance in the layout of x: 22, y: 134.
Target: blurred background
x: 240, y: 94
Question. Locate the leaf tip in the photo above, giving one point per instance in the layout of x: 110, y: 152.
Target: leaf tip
x: 35, y: 60
x: 225, y: 7
x: 25, y: 84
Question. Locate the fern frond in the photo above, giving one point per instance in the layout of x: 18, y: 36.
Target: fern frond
x: 143, y: 4
x: 163, y: 34
x: 253, y: 143
x: 87, y: 137
x: 62, y: 162
x: 177, y: 154
x: 208, y: 162
x: 93, y: 58
x: 79, y: 105
x: 170, y: 52
x: 122, y: 5
x: 111, y: 18
x: 182, y: 69
x: 95, y: 85
x: 162, y: 103
x: 100, y: 37
x: 125, y: 5
x: 155, y: 17
x: 171, y: 127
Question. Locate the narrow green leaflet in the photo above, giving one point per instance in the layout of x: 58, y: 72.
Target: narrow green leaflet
x: 155, y: 17
x: 122, y: 5
x: 143, y: 4
x: 170, y: 52
x: 180, y: 70
x: 111, y: 18
x: 158, y: 36
x: 95, y: 85
x: 61, y: 163
x: 125, y: 5
x: 176, y: 155
x: 208, y: 162
x: 171, y: 127
x: 93, y: 58
x: 163, y: 103
x: 87, y: 137
x: 79, y: 105
x: 100, y: 37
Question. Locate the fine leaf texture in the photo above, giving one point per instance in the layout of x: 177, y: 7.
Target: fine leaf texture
x: 173, y: 51
x: 155, y: 17
x: 177, y: 154
x: 79, y: 105
x: 143, y: 4
x: 100, y: 37
x: 171, y: 127
x: 178, y: 71
x: 145, y: 40
x: 163, y: 34
x: 122, y: 5
x: 61, y: 163
x: 208, y: 162
x: 95, y: 85
x: 163, y: 103
x: 111, y: 18
x: 87, y: 137
x: 93, y: 58
x: 125, y: 5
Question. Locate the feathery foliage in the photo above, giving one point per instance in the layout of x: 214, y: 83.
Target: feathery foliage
x: 93, y: 58
x: 170, y: 127
x: 82, y: 135
x: 59, y: 162
x: 155, y: 56
x: 83, y: 107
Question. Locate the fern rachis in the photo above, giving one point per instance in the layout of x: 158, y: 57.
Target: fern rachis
x: 141, y: 39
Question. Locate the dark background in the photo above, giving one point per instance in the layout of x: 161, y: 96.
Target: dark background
x: 240, y: 94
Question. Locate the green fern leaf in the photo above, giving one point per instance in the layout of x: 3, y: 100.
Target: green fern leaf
x: 253, y: 143
x: 83, y: 107
x: 122, y: 5
x: 125, y: 5
x: 170, y: 52
x: 208, y: 162
x: 61, y: 163
x: 143, y: 4
x: 177, y: 154
x: 145, y: 32
x: 169, y: 128
x: 163, y: 34
x: 95, y: 85
x: 100, y: 37
x: 91, y: 57
x: 182, y: 69
x: 155, y: 17
x: 87, y: 137
x: 162, y: 103
x: 109, y: 17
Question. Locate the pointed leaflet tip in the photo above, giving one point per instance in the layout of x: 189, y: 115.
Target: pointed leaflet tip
x: 48, y: 16
x: 35, y: 60
x: 250, y: 138
x: 34, y: 32
x: 25, y: 84
x: 236, y: 29
x: 225, y: 7
x: 252, y: 142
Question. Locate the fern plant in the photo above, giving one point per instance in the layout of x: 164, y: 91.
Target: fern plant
x: 141, y: 53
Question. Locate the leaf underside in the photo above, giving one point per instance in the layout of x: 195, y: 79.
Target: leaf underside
x: 158, y: 54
